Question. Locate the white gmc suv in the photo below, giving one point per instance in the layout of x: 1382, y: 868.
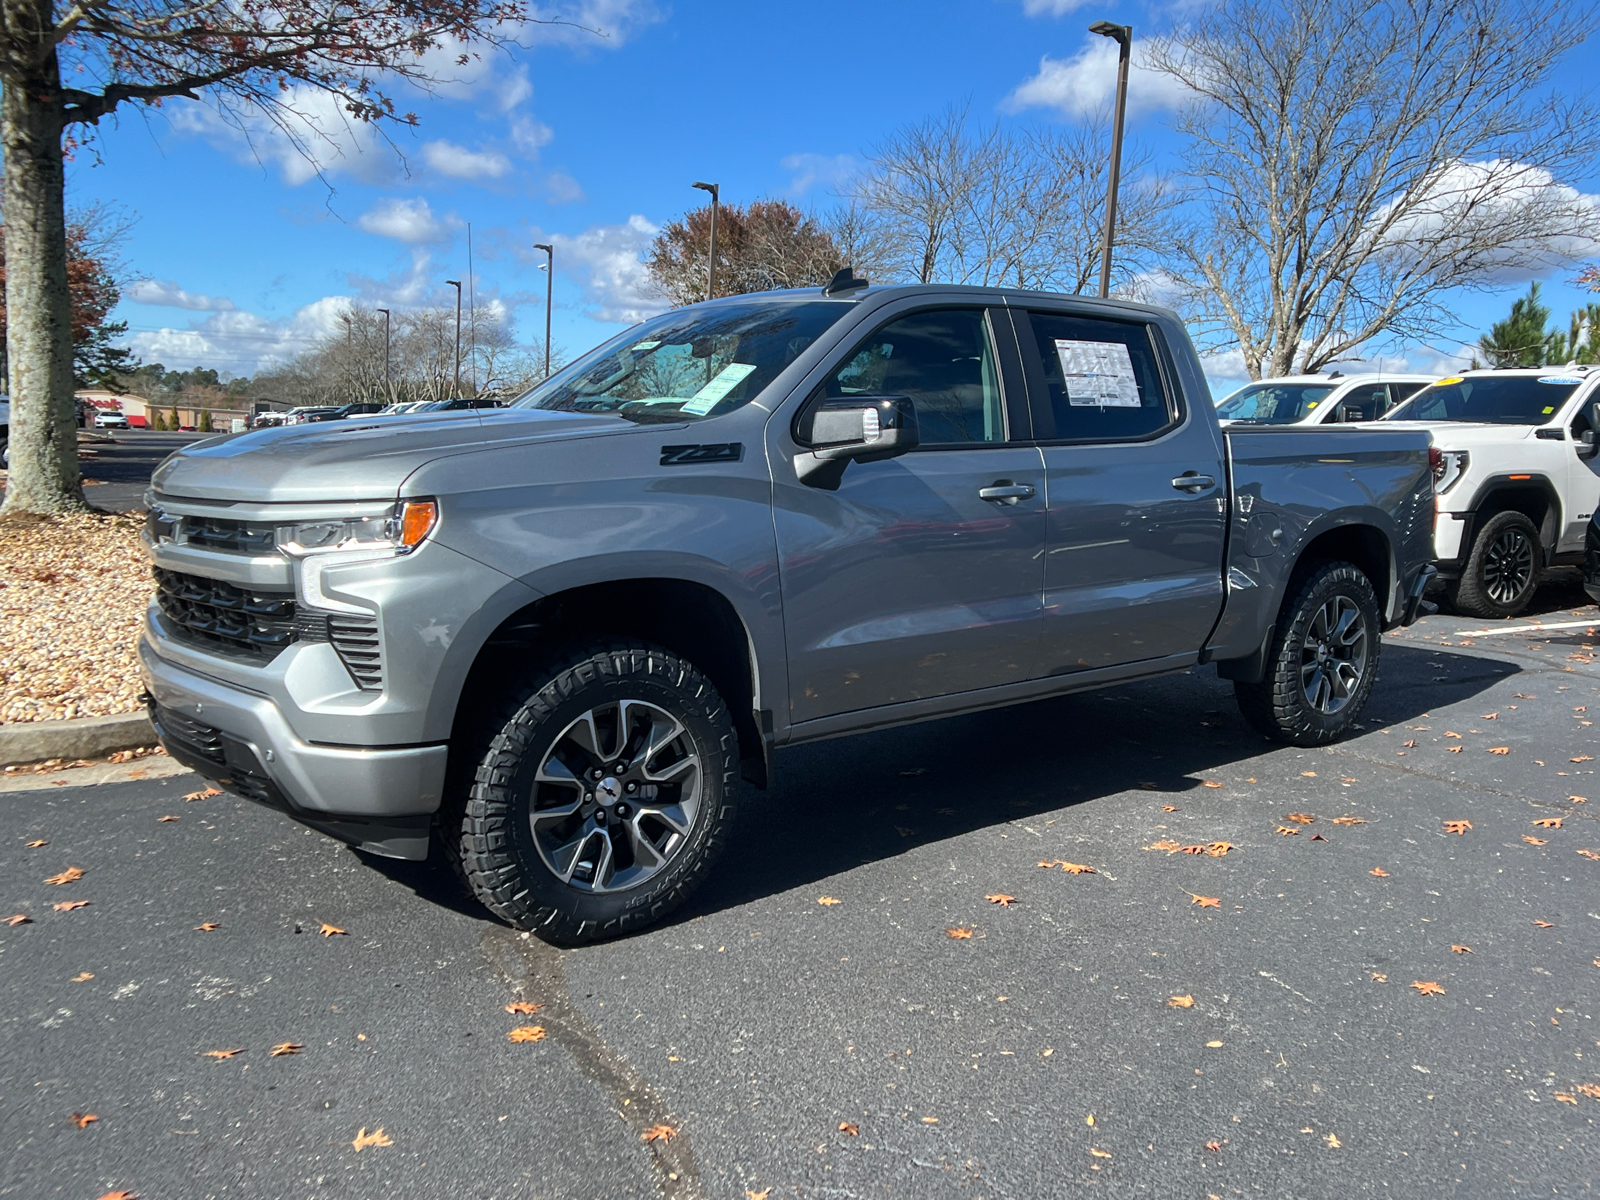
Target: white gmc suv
x: 1516, y: 479
x: 1317, y: 399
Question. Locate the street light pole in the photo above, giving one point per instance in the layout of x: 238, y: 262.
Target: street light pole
x: 1123, y: 35
x: 711, y: 258
x: 388, y: 387
x: 549, y: 293
x: 456, y: 283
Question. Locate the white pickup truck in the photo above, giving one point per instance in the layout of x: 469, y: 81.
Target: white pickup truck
x: 1318, y: 399
x: 1518, y: 482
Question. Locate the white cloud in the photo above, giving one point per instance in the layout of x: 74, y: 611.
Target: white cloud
x: 458, y: 162
x: 409, y: 221
x: 167, y: 293
x: 812, y: 169
x: 610, y: 260
x: 1086, y: 83
x: 530, y: 135
x: 561, y: 188
x: 241, y: 343
x: 416, y: 285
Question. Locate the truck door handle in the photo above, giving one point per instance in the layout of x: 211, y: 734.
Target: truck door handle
x: 1005, y: 491
x: 1190, y: 482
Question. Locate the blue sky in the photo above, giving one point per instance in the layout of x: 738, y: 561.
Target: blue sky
x: 591, y: 142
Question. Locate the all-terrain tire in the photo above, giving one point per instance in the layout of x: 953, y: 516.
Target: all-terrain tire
x: 1299, y: 699
x: 1502, y: 570
x: 499, y: 849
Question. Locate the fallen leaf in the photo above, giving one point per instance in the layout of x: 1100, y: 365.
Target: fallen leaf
x: 1211, y: 783
x: 19, y: 919
x: 1499, y: 749
x: 375, y: 1138
x: 1409, y: 743
x: 1594, y: 854
x: 1207, y: 901
x: 1348, y: 821
x: 1089, y: 1120
x: 1197, y: 849
x: 1533, y: 841
x: 1457, y: 827
x: 1309, y: 774
x: 828, y: 901
x: 1317, y: 837
x: 1582, y: 758
x: 1076, y: 868
x: 1566, y: 1097
x: 208, y: 926
x: 1428, y: 989
x: 1379, y: 872
x: 1462, y: 949
x: 1180, y: 1001
x: 761, y: 1195
x: 1545, y: 924
x: 1285, y: 831
x: 119, y: 1196
x: 203, y: 794
x: 70, y: 875
x: 1449, y: 733
x: 83, y: 977
x: 1300, y: 818
x: 527, y: 1033
x: 1000, y: 898
x: 69, y: 905
x: 1214, y: 1147
x: 1099, y: 1153
x: 223, y: 1053
x: 1578, y: 799
x: 283, y: 1048
x: 1378, y: 977
x: 1453, y: 749
x: 1494, y: 716
x: 81, y: 1120
x: 658, y: 1133
x: 1520, y: 696
x: 1218, y: 849
x: 959, y: 933
x: 1333, y: 1142
x: 36, y: 843
x: 1169, y: 808
x: 1214, y: 1045
x: 330, y: 930
x: 1549, y: 822
x: 849, y: 1129
x: 930, y: 1120
x: 523, y: 1008
x: 161, y: 820
x: 1591, y: 1090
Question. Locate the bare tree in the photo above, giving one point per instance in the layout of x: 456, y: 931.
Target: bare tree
x: 1350, y: 161
x: 248, y: 57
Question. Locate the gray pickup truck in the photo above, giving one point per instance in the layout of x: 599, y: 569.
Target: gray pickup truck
x: 554, y: 638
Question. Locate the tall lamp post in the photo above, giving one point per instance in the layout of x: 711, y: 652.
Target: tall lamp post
x: 388, y: 387
x: 711, y: 258
x: 1123, y: 35
x: 549, y: 292
x: 456, y: 283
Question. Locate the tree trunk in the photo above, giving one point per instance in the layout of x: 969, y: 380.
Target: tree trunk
x: 44, y: 475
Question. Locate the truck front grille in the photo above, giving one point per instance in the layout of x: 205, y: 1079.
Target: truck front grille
x: 220, y: 533
x: 219, y: 614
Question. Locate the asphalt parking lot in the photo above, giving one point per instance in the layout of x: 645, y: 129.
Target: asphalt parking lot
x: 117, y: 470
x: 1246, y: 1022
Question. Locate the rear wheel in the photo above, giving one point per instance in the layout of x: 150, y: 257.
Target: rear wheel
x: 605, y: 796
x: 1502, y: 570
x: 1324, y: 660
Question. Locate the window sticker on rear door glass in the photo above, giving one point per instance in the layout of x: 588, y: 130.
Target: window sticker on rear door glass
x: 1098, y: 374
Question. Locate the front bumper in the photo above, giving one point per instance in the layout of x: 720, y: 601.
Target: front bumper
x: 380, y: 798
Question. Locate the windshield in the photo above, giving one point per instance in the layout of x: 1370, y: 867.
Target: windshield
x: 1496, y: 399
x: 686, y: 365
x: 1273, y: 403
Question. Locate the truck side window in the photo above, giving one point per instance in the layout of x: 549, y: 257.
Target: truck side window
x: 941, y: 359
x: 1113, y: 391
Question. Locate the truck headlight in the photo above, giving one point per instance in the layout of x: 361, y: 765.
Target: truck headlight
x: 318, y: 546
x: 1448, y: 468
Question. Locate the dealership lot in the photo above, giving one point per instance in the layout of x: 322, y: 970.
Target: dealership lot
x: 766, y: 1016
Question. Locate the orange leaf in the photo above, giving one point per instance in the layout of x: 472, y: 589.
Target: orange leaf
x: 70, y: 875
x: 223, y: 1053
x: 658, y: 1133
x: 36, y: 843
x: 1218, y: 849
x: 161, y: 820
x: 1591, y: 1090
x: 69, y: 905
x: 283, y: 1048
x: 1545, y: 924
x: 1428, y: 989
x: 1211, y: 783
x: 1462, y: 949
x: 1285, y: 831
x: 1076, y: 868
x: 828, y: 901
x: 83, y: 976
x: 207, y: 926
x: 1566, y: 1097
x: 1169, y: 808
x: 761, y: 1195
x: 1578, y: 799
x: 1489, y: 716
x: 1099, y: 1153
x: 1300, y: 818
x: 849, y: 1129
x: 376, y: 1138
x: 1582, y: 758
x: 81, y: 1120
x: 203, y: 794
x: 1549, y: 822
x: 119, y: 1196
x: 1457, y: 827
x: 527, y: 1033
x: 1180, y: 1001
x: 1207, y: 901
x: 1309, y: 774
x: 1379, y: 872
x: 1450, y: 733
x: 523, y: 1008
x: 1379, y: 977
x: 1595, y: 854
x: 1214, y: 1146
x: 1192, y: 849
x: 959, y: 933
x: 1000, y: 898
x: 1533, y: 841
x: 330, y: 930
x: 1348, y: 821
x: 1409, y: 742
x: 1499, y: 749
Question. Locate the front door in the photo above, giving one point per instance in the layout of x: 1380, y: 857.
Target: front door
x: 906, y: 583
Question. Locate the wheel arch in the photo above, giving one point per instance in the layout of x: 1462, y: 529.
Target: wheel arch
x: 1534, y: 496
x: 1360, y: 543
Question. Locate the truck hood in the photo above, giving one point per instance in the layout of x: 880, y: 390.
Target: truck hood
x: 362, y: 458
x: 1464, y: 435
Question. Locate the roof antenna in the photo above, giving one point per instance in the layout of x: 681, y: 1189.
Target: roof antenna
x: 844, y: 280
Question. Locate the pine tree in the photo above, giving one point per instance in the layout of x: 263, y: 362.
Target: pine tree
x: 1519, y: 340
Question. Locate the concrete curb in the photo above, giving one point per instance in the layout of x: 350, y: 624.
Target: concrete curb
x: 86, y: 737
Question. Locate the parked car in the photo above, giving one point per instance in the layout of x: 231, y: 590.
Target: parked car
x: 561, y: 632
x: 1519, y: 479
x: 308, y: 412
x: 459, y: 404
x: 110, y: 418
x: 1318, y: 399
x: 267, y: 420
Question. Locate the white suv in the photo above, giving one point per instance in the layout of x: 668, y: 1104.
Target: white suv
x: 1516, y: 479
x: 1318, y: 399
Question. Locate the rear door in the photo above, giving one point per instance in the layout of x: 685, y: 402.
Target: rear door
x: 1133, y: 565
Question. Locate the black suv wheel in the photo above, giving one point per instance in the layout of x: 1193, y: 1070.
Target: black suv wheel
x: 604, y: 797
x: 1502, y: 570
x: 1323, y: 663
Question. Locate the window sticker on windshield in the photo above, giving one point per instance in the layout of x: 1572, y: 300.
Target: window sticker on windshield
x: 724, y: 382
x: 1098, y: 374
x: 1312, y: 405
x: 644, y: 346
x: 1563, y: 380
x: 1548, y: 410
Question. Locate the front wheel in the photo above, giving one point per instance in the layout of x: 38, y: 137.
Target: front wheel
x: 1324, y: 660
x: 1502, y: 570
x: 605, y: 796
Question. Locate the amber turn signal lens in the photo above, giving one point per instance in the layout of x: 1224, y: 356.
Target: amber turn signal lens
x: 417, y: 519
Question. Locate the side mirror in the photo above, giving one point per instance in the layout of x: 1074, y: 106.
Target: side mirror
x: 1585, y: 446
x: 1349, y: 411
x: 857, y: 429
